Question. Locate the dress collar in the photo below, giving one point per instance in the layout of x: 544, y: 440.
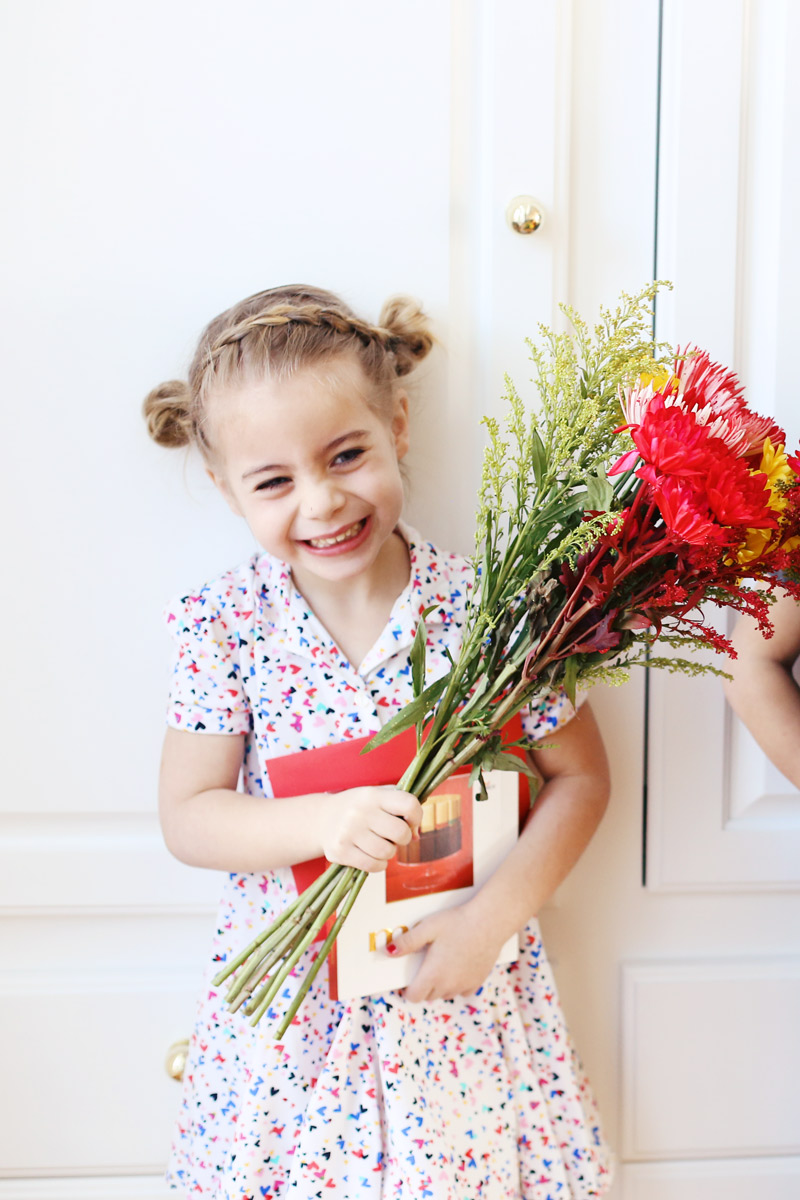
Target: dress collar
x: 303, y: 634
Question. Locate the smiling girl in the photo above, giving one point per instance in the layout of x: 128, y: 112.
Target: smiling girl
x: 464, y: 1085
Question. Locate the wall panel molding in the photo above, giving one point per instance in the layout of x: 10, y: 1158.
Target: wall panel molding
x: 707, y: 1070
x: 96, y: 863
x: 85, y: 1066
x: 739, y: 1179
x: 105, y: 1187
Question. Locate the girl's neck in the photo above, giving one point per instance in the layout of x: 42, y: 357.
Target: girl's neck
x: 355, y: 611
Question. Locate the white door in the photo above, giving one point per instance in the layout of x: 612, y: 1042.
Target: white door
x: 161, y: 161
x: 168, y: 159
x: 684, y: 990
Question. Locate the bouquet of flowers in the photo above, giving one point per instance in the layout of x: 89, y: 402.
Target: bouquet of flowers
x: 641, y: 487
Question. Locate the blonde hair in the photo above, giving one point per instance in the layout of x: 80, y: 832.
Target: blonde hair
x: 275, y: 333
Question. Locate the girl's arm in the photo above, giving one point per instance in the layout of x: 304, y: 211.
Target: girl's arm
x: 763, y: 691
x: 463, y: 942
x: 206, y: 822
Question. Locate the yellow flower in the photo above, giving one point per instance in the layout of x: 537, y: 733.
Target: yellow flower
x: 658, y: 378
x: 755, y: 543
x: 777, y: 470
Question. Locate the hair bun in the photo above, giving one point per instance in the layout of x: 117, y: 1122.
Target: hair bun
x: 408, y: 326
x: 167, y: 412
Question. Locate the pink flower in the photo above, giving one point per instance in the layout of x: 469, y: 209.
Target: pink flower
x: 715, y: 396
x: 712, y: 395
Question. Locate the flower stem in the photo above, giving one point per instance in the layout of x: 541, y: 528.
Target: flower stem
x: 323, y: 954
x: 262, y: 999
x: 289, y: 913
x: 272, y: 952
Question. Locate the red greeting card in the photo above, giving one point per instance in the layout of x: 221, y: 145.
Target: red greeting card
x: 461, y: 842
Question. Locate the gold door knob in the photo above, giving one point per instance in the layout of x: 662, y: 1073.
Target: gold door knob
x: 175, y: 1061
x: 523, y: 214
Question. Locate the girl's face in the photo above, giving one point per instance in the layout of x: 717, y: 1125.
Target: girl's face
x: 313, y: 469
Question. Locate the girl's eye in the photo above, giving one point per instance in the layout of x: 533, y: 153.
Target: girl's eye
x: 268, y: 485
x: 348, y: 456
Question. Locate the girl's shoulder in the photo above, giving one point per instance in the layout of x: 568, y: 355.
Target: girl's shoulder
x: 443, y: 571
x: 231, y: 598
x: 441, y: 581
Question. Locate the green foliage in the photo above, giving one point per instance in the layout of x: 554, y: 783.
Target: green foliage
x: 685, y: 666
x: 544, y: 500
x: 414, y: 712
x: 418, y: 650
x: 548, y: 465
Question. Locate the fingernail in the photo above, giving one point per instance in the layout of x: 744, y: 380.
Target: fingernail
x: 391, y: 948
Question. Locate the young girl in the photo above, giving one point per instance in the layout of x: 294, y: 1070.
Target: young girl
x: 464, y: 1085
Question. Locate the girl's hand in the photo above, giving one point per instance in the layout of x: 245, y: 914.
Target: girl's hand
x: 462, y: 949
x: 362, y: 827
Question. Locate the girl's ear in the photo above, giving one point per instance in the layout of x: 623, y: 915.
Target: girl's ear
x: 221, y: 484
x: 400, y: 425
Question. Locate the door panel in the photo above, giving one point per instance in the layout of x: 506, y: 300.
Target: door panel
x: 166, y: 161
x: 721, y: 851
x: 696, y: 1035
x: 91, y: 1092
x: 727, y: 237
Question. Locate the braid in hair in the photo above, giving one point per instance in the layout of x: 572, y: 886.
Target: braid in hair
x: 277, y: 332
x: 314, y: 315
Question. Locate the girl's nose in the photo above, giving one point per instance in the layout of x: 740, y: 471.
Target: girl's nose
x: 321, y: 499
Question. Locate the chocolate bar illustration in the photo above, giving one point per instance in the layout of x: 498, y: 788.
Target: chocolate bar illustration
x: 439, y: 834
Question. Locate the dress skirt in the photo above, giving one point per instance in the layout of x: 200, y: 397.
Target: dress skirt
x: 473, y: 1098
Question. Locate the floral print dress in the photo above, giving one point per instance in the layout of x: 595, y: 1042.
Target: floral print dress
x: 476, y: 1098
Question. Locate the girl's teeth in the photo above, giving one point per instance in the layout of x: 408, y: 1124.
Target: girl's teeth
x: 323, y: 543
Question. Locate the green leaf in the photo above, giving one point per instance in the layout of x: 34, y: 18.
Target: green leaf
x: 481, y: 782
x: 417, y: 652
x: 599, y: 492
x: 476, y: 776
x: 510, y: 762
x: 416, y: 711
x: 558, y: 511
x: 570, y: 680
x: 538, y: 456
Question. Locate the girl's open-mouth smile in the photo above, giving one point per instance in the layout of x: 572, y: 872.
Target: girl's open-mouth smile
x: 344, y: 539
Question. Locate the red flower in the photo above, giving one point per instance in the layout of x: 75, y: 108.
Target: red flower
x: 737, y: 496
x: 673, y: 442
x: 625, y: 462
x: 685, y: 512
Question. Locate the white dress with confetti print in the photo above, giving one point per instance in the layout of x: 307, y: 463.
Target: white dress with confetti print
x: 480, y: 1098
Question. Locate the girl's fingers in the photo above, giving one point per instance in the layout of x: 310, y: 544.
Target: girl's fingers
x: 416, y: 938
x: 420, y: 990
x: 363, y: 862
x: 393, y: 829
x: 402, y: 804
x: 375, y: 847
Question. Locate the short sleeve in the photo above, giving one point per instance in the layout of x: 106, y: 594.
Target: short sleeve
x: 546, y: 715
x: 206, y: 692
